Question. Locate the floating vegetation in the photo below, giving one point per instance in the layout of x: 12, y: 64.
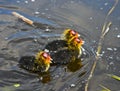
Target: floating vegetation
x: 114, y: 76
x: 104, y: 88
x: 16, y: 85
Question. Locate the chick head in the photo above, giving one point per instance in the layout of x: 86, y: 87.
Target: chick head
x: 69, y: 34
x: 43, y: 60
x: 75, y: 44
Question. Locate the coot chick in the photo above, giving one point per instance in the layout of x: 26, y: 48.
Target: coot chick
x: 66, y: 37
x: 39, y: 63
x: 68, y: 54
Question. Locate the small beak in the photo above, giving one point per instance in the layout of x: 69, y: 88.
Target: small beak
x: 51, y: 60
x: 83, y: 42
x: 78, y: 35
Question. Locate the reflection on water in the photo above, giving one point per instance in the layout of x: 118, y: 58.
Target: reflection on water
x: 17, y: 39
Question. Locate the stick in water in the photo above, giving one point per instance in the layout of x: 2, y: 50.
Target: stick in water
x: 28, y: 21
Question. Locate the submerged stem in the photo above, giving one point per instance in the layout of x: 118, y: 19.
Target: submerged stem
x: 105, y: 88
x: 105, y: 29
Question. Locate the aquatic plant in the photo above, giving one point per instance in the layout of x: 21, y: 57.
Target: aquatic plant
x: 105, y: 30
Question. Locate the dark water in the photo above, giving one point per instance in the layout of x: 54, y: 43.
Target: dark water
x: 87, y: 17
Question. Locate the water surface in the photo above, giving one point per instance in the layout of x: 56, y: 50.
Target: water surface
x: 86, y: 17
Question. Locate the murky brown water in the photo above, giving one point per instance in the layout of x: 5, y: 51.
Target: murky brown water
x: 18, y: 38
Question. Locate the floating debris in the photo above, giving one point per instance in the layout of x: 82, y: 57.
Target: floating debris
x: 18, y: 1
x: 104, y: 88
x: 47, y: 29
x: 110, y: 49
x: 115, y: 49
x: 106, y: 4
x: 37, y: 12
x: 110, y: 57
x: 72, y: 85
x: 91, y: 18
x: 101, y: 8
x: 32, y: 0
x: 114, y: 76
x: 35, y: 40
x: 118, y: 36
x: 16, y: 85
x: 111, y: 63
x: 26, y: 2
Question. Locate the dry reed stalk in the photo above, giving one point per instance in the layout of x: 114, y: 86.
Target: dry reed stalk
x: 105, y: 29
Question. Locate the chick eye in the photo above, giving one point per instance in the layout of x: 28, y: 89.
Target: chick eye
x: 72, y: 32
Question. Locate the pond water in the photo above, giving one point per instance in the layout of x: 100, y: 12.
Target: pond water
x: 87, y: 17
